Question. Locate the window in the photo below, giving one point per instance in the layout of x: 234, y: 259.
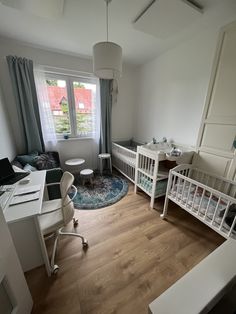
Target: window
x: 72, y: 104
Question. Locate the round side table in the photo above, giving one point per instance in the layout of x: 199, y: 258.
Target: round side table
x: 75, y: 163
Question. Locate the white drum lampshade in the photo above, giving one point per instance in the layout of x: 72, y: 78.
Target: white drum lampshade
x: 107, y: 60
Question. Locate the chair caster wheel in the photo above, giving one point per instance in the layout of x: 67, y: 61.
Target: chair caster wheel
x: 162, y: 216
x: 85, y: 244
x: 55, y: 269
x: 75, y: 222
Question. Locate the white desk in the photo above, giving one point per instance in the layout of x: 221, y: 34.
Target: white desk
x: 22, y: 220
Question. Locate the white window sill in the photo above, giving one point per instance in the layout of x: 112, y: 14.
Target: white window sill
x: 74, y: 139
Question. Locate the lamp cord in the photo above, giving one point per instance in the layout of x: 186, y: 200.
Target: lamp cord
x: 107, y: 17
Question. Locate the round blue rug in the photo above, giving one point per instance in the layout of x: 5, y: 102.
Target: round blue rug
x: 106, y: 191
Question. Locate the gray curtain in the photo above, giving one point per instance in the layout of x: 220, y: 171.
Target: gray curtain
x: 22, y: 77
x: 105, y: 141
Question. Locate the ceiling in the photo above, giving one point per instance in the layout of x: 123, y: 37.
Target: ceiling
x: 82, y: 24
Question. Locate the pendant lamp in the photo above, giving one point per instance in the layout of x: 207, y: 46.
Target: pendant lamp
x: 107, y: 57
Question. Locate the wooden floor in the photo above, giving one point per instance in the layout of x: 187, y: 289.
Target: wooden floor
x: 133, y: 257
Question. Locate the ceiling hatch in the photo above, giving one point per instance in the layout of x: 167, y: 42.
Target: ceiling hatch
x: 42, y: 8
x: 166, y: 18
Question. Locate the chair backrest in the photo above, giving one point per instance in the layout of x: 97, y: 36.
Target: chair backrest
x: 67, y: 206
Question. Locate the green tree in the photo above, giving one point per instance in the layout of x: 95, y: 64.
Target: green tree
x: 51, y: 82
x: 64, y: 106
x: 78, y: 84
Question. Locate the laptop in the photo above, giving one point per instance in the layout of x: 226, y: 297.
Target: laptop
x: 7, y: 175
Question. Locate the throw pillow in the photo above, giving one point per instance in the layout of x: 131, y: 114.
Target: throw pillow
x: 17, y: 169
x: 27, y: 159
x: 17, y: 164
x: 45, y: 161
x: 29, y: 168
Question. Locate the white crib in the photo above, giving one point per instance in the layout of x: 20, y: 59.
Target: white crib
x: 209, y: 198
x: 124, y: 159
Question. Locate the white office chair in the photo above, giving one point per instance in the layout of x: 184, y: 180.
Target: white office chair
x: 56, y: 214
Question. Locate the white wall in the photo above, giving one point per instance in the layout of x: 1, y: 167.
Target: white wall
x: 123, y: 111
x: 7, y: 143
x: 122, y: 114
x: 172, y: 90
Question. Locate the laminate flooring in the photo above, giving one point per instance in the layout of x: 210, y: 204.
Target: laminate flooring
x: 133, y: 257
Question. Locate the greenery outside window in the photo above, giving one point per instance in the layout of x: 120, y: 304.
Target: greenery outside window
x: 72, y: 104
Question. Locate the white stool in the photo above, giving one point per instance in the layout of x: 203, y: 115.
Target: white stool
x: 86, y: 175
x: 102, y: 157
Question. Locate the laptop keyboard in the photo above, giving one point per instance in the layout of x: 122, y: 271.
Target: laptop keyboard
x: 18, y: 176
x: 6, y: 192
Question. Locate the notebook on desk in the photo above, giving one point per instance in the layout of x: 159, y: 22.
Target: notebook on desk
x: 27, y: 190
x: 8, y: 175
x: 23, y: 198
x: 6, y: 192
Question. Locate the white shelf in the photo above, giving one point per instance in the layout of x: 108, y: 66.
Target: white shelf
x: 145, y: 173
x: 144, y: 190
x: 149, y: 193
x: 162, y: 174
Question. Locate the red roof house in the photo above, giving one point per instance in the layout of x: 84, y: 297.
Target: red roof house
x: 58, y: 95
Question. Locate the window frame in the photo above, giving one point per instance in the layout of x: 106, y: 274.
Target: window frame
x: 69, y: 79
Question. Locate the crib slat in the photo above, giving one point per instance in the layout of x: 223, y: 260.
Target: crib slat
x: 190, y: 186
x: 227, y: 188
x: 232, y: 226
x: 196, y: 174
x: 208, y: 204
x: 186, y: 172
x: 213, y: 183
x: 194, y: 197
x: 173, y: 186
x: 152, y: 166
x: 207, y: 180
x: 202, y: 177
x: 216, y: 209
x: 182, y: 195
x: 200, y: 204
x: 225, y: 214
x: 178, y: 186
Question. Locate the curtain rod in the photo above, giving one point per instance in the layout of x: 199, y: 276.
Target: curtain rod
x: 52, y: 69
x: 56, y: 70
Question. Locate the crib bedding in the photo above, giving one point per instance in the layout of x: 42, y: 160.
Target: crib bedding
x: 129, y: 144
x: 210, y: 207
x: 133, y: 148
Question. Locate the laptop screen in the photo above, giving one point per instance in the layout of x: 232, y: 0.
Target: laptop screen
x: 6, y: 169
